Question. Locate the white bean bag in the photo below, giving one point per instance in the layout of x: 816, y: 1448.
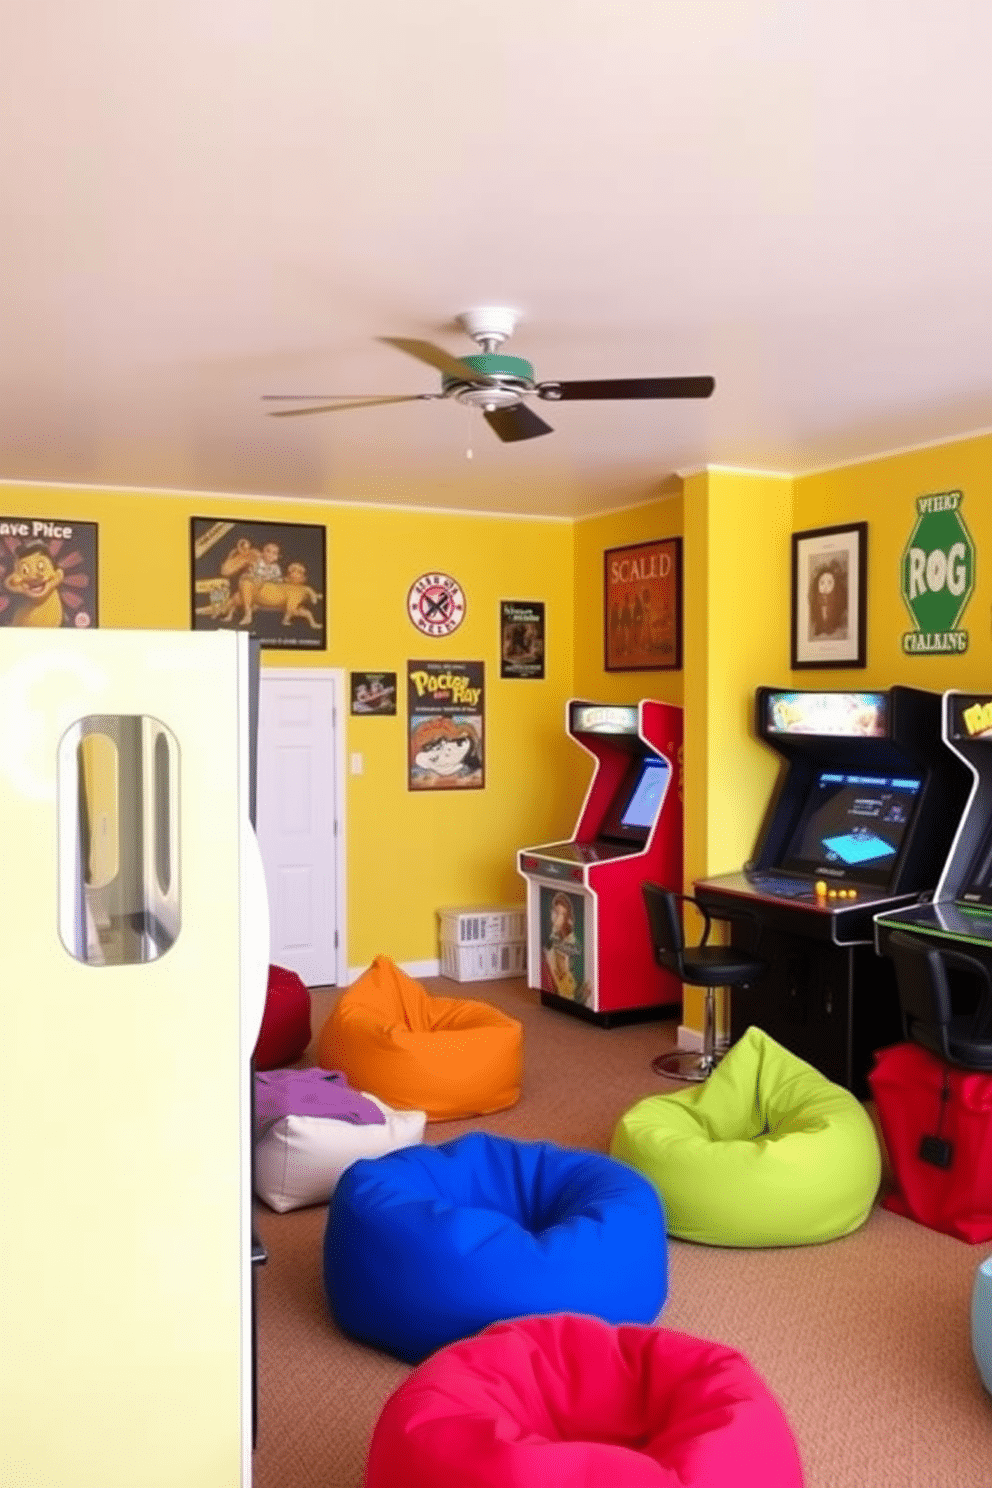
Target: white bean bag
x: 300, y: 1158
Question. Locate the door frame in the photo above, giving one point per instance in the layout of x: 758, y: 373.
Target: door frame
x: 336, y: 759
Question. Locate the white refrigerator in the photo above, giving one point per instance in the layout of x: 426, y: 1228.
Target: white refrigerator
x: 132, y: 984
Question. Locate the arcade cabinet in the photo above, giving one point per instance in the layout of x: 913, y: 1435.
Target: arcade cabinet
x: 132, y: 986
x: 960, y: 914
x: 588, y: 947
x: 865, y: 809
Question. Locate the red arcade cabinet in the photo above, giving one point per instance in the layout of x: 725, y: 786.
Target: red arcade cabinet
x: 588, y: 947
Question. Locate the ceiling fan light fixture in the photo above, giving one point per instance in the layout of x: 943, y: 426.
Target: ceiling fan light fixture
x: 489, y: 323
x: 514, y: 378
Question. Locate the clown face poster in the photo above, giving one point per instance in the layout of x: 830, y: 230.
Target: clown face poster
x: 446, y: 714
x: 48, y: 573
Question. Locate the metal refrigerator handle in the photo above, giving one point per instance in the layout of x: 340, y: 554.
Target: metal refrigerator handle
x: 118, y: 824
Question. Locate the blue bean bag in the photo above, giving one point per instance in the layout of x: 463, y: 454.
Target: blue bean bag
x: 428, y: 1245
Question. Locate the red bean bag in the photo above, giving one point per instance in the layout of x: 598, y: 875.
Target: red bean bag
x: 285, y: 1030
x: 571, y: 1401
x: 922, y: 1100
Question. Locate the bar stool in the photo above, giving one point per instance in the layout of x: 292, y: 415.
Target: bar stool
x: 931, y: 1014
x: 702, y: 965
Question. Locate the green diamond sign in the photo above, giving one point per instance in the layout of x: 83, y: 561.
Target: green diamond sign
x: 938, y: 575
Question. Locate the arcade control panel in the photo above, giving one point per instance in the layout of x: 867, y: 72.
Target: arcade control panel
x: 818, y: 891
x: 842, y: 913
x: 562, y: 860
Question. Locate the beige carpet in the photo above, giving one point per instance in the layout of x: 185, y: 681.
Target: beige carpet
x: 865, y: 1340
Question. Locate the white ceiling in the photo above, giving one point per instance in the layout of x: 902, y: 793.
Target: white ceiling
x: 207, y: 200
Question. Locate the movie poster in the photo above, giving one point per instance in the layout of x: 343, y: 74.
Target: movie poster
x: 563, y: 945
x: 446, y: 713
x: 373, y: 692
x: 268, y: 578
x: 642, y: 606
x: 48, y: 573
x: 521, y: 625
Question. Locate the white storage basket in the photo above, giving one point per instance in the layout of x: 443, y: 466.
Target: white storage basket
x: 483, y: 926
x: 483, y: 963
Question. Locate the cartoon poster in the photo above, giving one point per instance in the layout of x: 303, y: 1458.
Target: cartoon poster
x: 521, y: 624
x: 268, y: 578
x: 563, y: 945
x: 48, y: 573
x: 446, y: 711
x: 373, y: 692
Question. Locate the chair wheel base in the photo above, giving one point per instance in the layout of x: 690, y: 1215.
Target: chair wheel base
x: 687, y: 1066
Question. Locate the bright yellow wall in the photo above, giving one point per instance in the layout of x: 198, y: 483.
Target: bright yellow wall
x: 593, y: 535
x: 737, y: 548
x: 736, y: 552
x: 409, y: 853
x: 883, y: 493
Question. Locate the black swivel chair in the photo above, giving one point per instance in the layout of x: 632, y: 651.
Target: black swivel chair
x: 927, y: 1000
x: 703, y: 965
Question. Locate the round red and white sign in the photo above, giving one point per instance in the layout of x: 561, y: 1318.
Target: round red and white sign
x: 436, y: 604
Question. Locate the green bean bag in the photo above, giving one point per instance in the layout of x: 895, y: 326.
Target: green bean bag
x: 766, y: 1152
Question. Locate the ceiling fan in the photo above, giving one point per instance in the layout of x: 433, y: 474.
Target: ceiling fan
x: 496, y: 384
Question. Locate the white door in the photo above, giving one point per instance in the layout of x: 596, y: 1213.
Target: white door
x: 300, y: 822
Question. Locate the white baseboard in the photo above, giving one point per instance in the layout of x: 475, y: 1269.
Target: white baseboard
x: 421, y: 968
x: 416, y: 969
x: 692, y: 1040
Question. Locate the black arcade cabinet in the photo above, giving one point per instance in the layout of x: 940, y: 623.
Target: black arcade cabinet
x: 960, y: 914
x: 862, y: 819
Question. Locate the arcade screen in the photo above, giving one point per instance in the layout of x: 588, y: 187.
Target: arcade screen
x: 852, y: 826
x: 638, y: 801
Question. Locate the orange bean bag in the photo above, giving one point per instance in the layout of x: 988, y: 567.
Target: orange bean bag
x: 448, y: 1056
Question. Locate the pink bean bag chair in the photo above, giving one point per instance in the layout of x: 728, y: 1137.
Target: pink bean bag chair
x: 569, y: 1401
x: 285, y: 1031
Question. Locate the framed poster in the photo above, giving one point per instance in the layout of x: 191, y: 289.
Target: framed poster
x: 642, y: 606
x: 373, y: 692
x: 266, y: 577
x: 446, y: 719
x: 829, y: 596
x: 521, y: 638
x: 48, y: 573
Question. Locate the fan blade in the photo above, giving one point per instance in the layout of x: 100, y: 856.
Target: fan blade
x: 341, y: 407
x: 332, y: 397
x: 628, y: 387
x: 519, y: 422
x: 436, y: 357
